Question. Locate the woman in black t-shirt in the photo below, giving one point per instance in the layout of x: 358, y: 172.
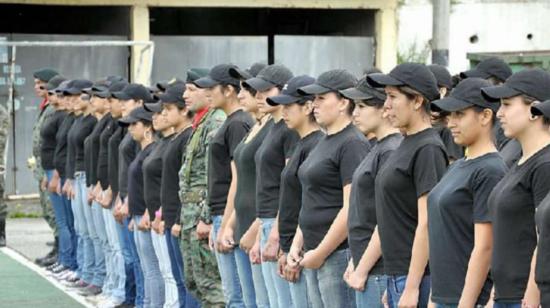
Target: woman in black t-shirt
x: 140, y: 127
x: 514, y: 200
x: 365, y: 272
x: 326, y: 181
x: 460, y: 229
x: 403, y: 183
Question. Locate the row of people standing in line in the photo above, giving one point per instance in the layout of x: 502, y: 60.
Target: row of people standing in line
x: 323, y: 179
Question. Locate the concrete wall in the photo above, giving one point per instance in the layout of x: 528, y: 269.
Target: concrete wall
x: 498, y: 25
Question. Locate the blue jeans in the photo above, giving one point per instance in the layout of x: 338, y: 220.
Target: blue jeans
x: 105, y: 275
x: 64, y: 221
x: 228, y: 271
x: 185, y: 299
x: 372, y: 295
x: 298, y: 292
x: 312, y: 284
x: 171, y: 299
x: 134, y: 277
x: 85, y: 247
x: 498, y: 304
x: 153, y: 283
x: 118, y: 268
x: 334, y: 292
x: 251, y: 280
x: 396, y: 286
x: 278, y: 289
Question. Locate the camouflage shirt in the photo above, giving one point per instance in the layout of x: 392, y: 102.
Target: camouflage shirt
x: 4, y: 134
x: 44, y: 114
x: 194, y: 174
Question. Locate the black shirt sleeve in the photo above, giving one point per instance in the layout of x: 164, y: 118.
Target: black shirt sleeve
x: 540, y: 182
x: 351, y: 155
x: 483, y: 183
x: 428, y: 167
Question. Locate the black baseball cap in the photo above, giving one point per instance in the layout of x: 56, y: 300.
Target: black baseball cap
x: 64, y: 85
x: 77, y: 87
x: 290, y: 94
x: 196, y: 73
x: 218, y: 75
x: 153, y: 107
x: 115, y: 87
x: 98, y: 87
x: 133, y: 91
x: 541, y: 109
x: 532, y: 82
x: 45, y: 74
x: 442, y: 75
x: 138, y: 114
x: 415, y: 75
x: 54, y: 83
x: 275, y: 75
x: 248, y: 73
x: 466, y: 94
x: 173, y: 95
x: 330, y: 81
x: 163, y: 85
x: 363, y: 91
x: 490, y: 67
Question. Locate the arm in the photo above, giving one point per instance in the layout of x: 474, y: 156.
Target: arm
x: 230, y: 205
x: 419, y: 258
x: 479, y: 264
x: 372, y: 254
x: 531, y: 299
x: 337, y: 233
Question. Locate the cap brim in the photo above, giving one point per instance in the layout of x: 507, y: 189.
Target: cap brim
x: 239, y: 74
x: 314, y: 89
x: 121, y: 95
x: 498, y: 92
x: 259, y: 84
x: 282, y: 99
x: 355, y: 94
x: 153, y: 107
x: 72, y: 91
x: 449, y: 104
x: 205, y: 83
x: 379, y: 80
x: 127, y: 120
x: 474, y: 73
x: 104, y: 94
x: 541, y: 109
x: 167, y: 98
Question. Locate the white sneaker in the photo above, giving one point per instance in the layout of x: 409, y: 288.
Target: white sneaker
x: 97, y: 299
x: 62, y: 275
x: 109, y: 303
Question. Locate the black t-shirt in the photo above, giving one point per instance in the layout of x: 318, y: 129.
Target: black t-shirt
x: 103, y: 156
x: 127, y: 151
x: 362, y: 207
x: 113, y: 153
x: 152, y: 176
x: 136, y: 196
x: 454, y: 151
x: 61, y: 147
x: 510, y: 151
x: 48, y: 138
x: 171, y: 164
x: 411, y: 171
x: 91, y: 153
x: 82, y: 127
x: 221, y: 152
x: 455, y: 204
x: 245, y: 196
x: 290, y: 202
x: 328, y: 168
x: 512, y: 205
x: 542, y: 218
x: 270, y: 160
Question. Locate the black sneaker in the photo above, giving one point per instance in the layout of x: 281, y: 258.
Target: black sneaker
x: 90, y: 290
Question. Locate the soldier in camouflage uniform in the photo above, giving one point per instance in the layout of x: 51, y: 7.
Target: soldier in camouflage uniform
x: 41, y: 77
x: 202, y: 277
x: 4, y: 131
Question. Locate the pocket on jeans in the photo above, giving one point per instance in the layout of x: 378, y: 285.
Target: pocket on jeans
x: 399, y: 284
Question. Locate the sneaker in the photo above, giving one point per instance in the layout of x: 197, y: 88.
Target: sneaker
x: 51, y: 267
x: 72, y: 278
x: 79, y: 284
x: 110, y: 303
x: 90, y: 290
x: 59, y: 269
x: 97, y: 298
x: 64, y: 275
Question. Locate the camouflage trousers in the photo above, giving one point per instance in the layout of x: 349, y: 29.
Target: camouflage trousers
x: 47, y: 209
x: 202, y: 277
x: 3, y: 204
